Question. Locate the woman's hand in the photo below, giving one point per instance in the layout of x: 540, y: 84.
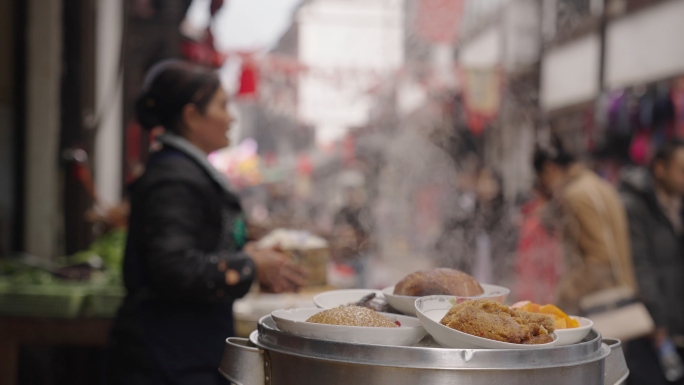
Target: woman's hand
x: 275, y: 270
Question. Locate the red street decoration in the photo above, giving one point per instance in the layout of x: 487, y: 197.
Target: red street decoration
x: 203, y: 51
x: 439, y: 21
x: 249, y: 78
x: 304, y: 165
x: 481, y: 96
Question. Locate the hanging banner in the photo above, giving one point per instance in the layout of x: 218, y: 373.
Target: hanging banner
x: 481, y: 96
x: 439, y: 21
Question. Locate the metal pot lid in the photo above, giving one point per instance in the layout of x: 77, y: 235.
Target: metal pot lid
x: 425, y: 356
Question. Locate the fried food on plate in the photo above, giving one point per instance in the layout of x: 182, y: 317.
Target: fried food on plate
x: 440, y: 281
x: 352, y: 316
x: 489, y: 319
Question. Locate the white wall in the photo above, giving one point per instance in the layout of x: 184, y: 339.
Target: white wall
x: 646, y: 46
x: 513, y: 40
x: 44, y: 50
x: 109, y: 101
x: 345, y: 43
x: 522, y: 34
x: 485, y: 51
x: 570, y: 73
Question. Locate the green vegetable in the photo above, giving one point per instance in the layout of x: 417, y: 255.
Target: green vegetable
x: 111, y: 247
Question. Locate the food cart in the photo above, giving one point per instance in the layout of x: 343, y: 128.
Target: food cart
x: 273, y: 357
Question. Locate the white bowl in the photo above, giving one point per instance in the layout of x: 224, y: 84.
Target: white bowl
x: 430, y: 310
x: 294, y: 321
x: 574, y: 335
x: 334, y: 298
x: 406, y: 304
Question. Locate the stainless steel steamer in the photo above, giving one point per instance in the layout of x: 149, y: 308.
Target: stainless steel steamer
x: 271, y: 357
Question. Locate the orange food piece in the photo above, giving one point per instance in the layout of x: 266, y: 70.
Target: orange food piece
x: 561, y: 323
x: 562, y: 320
x: 552, y: 310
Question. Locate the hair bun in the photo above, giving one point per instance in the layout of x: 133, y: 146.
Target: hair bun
x: 168, y: 88
x: 146, y: 111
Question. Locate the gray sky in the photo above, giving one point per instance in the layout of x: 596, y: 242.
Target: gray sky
x: 246, y: 24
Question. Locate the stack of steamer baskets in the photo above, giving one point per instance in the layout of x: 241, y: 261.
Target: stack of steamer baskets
x: 288, y: 350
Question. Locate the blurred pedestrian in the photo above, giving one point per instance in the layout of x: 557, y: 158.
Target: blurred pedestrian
x: 594, y: 234
x: 351, y: 234
x: 482, y: 243
x: 539, y: 259
x: 186, y: 256
x: 653, y: 199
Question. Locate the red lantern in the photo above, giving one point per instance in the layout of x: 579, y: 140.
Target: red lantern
x: 249, y: 79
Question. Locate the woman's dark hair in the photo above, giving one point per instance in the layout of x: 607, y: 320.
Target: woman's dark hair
x: 553, y: 153
x: 667, y: 151
x: 170, y: 87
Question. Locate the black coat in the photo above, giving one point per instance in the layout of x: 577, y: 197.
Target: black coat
x: 178, y: 310
x: 657, y: 252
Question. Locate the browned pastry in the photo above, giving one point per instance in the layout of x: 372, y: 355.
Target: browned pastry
x: 489, y: 319
x: 352, y: 316
x: 438, y: 282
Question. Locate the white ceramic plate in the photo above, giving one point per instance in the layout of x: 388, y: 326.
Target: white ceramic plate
x: 430, y: 310
x: 334, y: 298
x: 575, y: 335
x: 406, y: 304
x: 294, y: 321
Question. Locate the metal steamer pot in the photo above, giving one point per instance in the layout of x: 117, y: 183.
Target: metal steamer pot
x: 272, y: 357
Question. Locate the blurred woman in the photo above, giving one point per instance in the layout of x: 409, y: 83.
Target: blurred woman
x: 186, y: 259
x: 539, y: 262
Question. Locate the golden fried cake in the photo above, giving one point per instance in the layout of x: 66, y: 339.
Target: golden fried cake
x: 352, y: 316
x: 489, y: 319
x: 441, y: 281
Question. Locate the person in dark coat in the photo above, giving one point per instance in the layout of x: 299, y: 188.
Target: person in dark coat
x: 482, y: 243
x: 653, y: 200
x: 186, y: 255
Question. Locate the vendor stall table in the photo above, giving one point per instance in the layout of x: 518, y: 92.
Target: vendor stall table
x: 18, y: 331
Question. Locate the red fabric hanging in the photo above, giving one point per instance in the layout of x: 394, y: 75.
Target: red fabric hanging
x: 639, y: 149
